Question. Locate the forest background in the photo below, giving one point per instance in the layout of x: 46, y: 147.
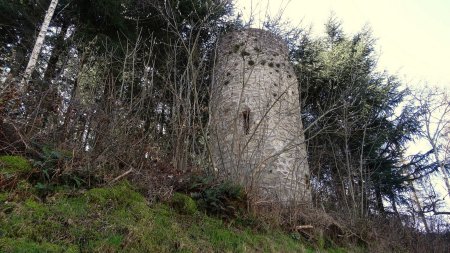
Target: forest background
x: 120, y: 88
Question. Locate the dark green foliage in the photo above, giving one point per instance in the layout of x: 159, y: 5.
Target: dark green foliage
x: 53, y: 170
x: 356, y: 138
x: 19, y: 21
x: 104, y: 17
x: 221, y: 198
x: 105, y: 59
x: 196, y: 10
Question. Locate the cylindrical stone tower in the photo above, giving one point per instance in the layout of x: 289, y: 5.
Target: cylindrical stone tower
x: 257, y: 136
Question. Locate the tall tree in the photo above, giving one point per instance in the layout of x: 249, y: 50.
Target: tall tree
x: 38, y: 44
x: 355, y: 133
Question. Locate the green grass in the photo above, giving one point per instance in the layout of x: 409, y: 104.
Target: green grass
x: 14, y: 165
x: 118, y: 219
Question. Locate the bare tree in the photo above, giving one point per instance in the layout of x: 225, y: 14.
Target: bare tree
x: 435, y: 104
x: 38, y: 44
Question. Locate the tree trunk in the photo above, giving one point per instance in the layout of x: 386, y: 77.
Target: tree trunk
x: 419, y: 207
x: 379, y: 200
x: 52, y: 70
x: 38, y: 45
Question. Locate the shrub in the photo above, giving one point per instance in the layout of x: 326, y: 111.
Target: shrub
x: 222, y: 198
x: 54, y: 168
x: 183, y: 203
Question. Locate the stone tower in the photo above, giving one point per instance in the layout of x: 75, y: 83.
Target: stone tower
x: 256, y: 131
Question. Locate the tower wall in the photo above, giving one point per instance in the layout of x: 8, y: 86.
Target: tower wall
x: 256, y: 130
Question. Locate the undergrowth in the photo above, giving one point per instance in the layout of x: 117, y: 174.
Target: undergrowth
x: 216, y: 197
x: 119, y: 219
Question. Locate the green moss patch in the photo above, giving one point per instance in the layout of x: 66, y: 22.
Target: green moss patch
x: 14, y: 165
x: 183, y: 203
x: 119, y: 219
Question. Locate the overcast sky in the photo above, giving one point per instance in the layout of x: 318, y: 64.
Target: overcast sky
x: 413, y: 35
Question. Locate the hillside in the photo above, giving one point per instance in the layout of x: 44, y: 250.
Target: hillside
x: 119, y: 219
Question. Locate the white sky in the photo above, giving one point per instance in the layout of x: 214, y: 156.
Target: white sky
x: 413, y: 35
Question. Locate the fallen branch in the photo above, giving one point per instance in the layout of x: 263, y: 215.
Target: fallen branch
x: 121, y: 176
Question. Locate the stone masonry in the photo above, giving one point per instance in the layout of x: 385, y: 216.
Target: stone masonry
x: 256, y: 132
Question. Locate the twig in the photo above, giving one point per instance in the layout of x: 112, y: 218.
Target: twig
x: 121, y: 176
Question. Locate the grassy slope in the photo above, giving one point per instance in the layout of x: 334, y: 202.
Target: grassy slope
x: 118, y: 219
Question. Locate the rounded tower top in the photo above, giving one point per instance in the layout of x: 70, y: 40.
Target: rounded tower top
x: 258, y: 39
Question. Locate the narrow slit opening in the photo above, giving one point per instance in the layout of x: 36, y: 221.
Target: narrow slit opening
x: 246, y: 121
